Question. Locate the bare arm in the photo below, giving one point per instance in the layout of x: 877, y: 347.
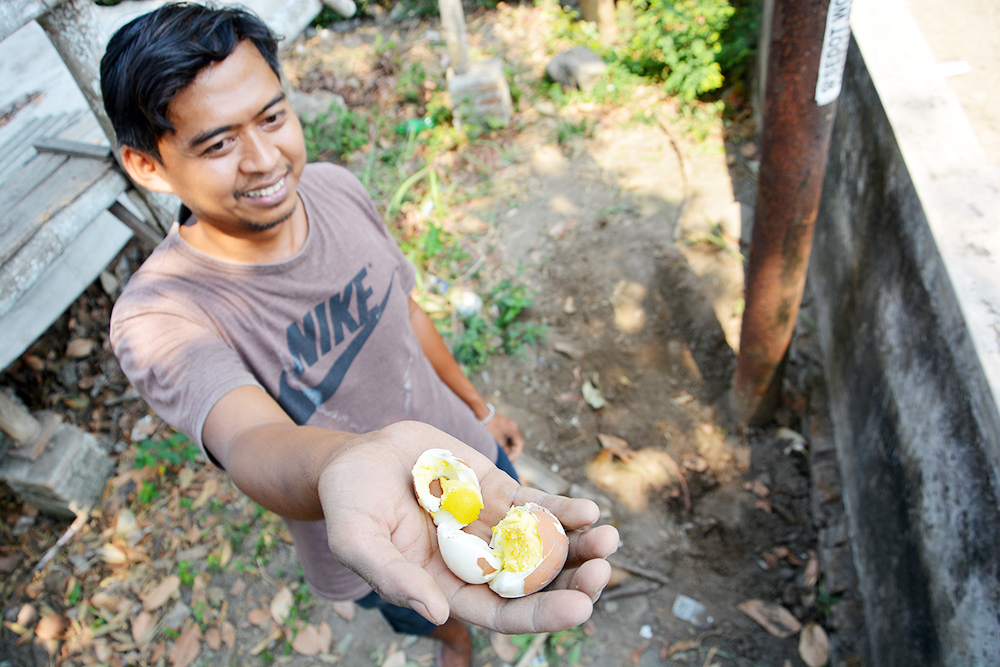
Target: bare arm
x: 311, y: 473
x: 503, y: 429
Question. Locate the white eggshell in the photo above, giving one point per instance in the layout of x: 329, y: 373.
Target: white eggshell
x: 434, y: 464
x: 470, y: 558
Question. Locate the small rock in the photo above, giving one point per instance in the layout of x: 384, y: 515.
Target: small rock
x: 577, y: 68
x: 176, y: 616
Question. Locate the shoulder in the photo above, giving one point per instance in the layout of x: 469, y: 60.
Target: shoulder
x: 319, y: 176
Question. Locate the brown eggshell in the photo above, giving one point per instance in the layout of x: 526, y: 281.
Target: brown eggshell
x: 555, y: 549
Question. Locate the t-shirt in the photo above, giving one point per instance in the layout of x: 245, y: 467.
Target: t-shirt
x: 326, y: 333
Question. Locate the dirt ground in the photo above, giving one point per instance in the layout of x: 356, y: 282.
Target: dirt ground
x: 630, y: 235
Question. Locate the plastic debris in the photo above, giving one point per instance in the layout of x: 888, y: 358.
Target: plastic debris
x: 467, y: 304
x: 692, y: 611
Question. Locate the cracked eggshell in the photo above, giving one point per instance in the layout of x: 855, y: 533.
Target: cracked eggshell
x: 470, y: 558
x: 513, y: 583
x: 432, y: 465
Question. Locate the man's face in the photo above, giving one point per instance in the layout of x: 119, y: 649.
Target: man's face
x: 237, y: 153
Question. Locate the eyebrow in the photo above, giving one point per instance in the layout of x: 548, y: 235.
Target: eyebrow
x: 209, y: 134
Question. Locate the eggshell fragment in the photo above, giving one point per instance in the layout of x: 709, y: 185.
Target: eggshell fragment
x: 524, y: 578
x: 470, y: 558
x: 435, y: 465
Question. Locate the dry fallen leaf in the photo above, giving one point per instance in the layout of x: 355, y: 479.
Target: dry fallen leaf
x: 213, y: 638
x: 345, y: 610
x: 207, y: 493
x: 259, y: 617
x: 228, y: 634
x: 26, y: 615
x: 226, y: 553
x: 308, y: 641
x: 617, y: 446
x: 281, y: 605
x: 185, y: 477
x: 505, y: 649
x: 50, y: 626
x: 80, y: 347
x: 395, y: 659
x: 186, y: 647
x: 811, y: 576
x: 112, y: 555
x: 140, y: 624
x: 101, y: 600
x: 814, y: 645
x: 156, y: 597
x: 774, y: 618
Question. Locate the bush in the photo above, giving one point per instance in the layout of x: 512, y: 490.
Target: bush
x: 679, y: 42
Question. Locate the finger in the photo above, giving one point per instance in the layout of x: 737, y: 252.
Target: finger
x: 590, y: 578
x: 548, y: 611
x: 590, y: 543
x: 395, y: 579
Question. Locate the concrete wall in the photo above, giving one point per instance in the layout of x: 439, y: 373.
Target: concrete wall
x: 905, y: 277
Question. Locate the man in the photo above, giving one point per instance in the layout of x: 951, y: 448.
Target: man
x: 274, y: 327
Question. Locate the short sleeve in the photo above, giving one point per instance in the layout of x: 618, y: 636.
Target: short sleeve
x: 160, y: 349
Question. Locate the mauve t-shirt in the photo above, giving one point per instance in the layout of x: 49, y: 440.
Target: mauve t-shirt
x: 326, y: 333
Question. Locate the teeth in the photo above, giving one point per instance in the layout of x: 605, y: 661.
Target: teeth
x: 266, y: 191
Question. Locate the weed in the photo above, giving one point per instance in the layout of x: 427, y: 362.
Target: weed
x: 561, y: 648
x: 337, y: 137
x: 185, y: 573
x: 482, y: 337
x: 174, y: 450
x: 73, y: 593
x: 567, y: 130
x: 147, y: 492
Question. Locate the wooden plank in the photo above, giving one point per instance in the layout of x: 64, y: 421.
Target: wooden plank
x: 19, y: 150
x: 15, y: 14
x: 23, y: 183
x: 59, y: 286
x: 65, y: 185
x: 72, y: 148
x: 21, y: 270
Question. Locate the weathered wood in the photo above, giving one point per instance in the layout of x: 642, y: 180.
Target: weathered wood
x: 75, y: 31
x: 60, y: 284
x: 68, y: 182
x: 18, y: 149
x: 140, y: 228
x: 44, y: 247
x: 453, y: 28
x: 72, y: 148
x: 21, y: 185
x: 15, y: 14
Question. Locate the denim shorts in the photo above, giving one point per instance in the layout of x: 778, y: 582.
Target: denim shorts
x: 403, y: 619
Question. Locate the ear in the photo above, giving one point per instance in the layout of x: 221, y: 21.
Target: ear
x: 145, y: 170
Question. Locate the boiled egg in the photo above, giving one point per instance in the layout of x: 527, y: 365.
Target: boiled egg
x: 447, y: 488
x: 528, y: 547
x: 532, y: 546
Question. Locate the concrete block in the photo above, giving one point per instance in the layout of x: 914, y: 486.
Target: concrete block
x: 71, y: 471
x: 480, y: 95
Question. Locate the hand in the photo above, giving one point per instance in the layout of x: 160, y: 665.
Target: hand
x: 377, y: 529
x: 506, y: 432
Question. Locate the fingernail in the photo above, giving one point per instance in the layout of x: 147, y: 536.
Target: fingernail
x: 421, y: 608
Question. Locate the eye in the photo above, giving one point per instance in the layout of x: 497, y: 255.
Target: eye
x: 218, y: 147
x: 274, y: 119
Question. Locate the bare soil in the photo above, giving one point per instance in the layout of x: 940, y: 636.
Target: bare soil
x: 629, y: 234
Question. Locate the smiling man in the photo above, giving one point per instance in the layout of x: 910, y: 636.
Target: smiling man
x: 274, y: 327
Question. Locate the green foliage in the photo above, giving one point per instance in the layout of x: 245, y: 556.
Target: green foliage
x: 184, y: 571
x: 482, y: 337
x: 679, y: 42
x: 561, y: 648
x: 148, y: 492
x: 337, y: 137
x: 173, y: 451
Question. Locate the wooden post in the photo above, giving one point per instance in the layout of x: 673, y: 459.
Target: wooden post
x: 74, y: 29
x: 453, y: 27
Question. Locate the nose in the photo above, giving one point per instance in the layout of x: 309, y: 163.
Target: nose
x: 260, y: 153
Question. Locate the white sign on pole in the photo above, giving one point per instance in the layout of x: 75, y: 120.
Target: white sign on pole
x: 834, y: 55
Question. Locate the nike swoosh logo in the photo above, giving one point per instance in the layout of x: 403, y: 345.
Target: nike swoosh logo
x: 300, y: 404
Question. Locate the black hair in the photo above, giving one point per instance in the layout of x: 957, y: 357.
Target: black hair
x: 151, y: 59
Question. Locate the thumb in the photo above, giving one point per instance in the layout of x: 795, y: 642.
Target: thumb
x: 399, y: 581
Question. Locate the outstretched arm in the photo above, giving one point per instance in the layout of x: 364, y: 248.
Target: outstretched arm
x: 504, y: 429
x: 309, y: 473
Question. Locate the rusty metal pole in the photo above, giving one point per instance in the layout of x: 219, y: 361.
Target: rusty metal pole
x: 808, y: 48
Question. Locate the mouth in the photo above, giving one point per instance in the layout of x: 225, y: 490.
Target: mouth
x: 266, y: 192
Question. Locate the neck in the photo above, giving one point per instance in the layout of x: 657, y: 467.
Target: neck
x: 277, y: 244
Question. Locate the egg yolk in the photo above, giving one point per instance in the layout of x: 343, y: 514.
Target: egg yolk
x: 461, y: 500
x: 518, y: 539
